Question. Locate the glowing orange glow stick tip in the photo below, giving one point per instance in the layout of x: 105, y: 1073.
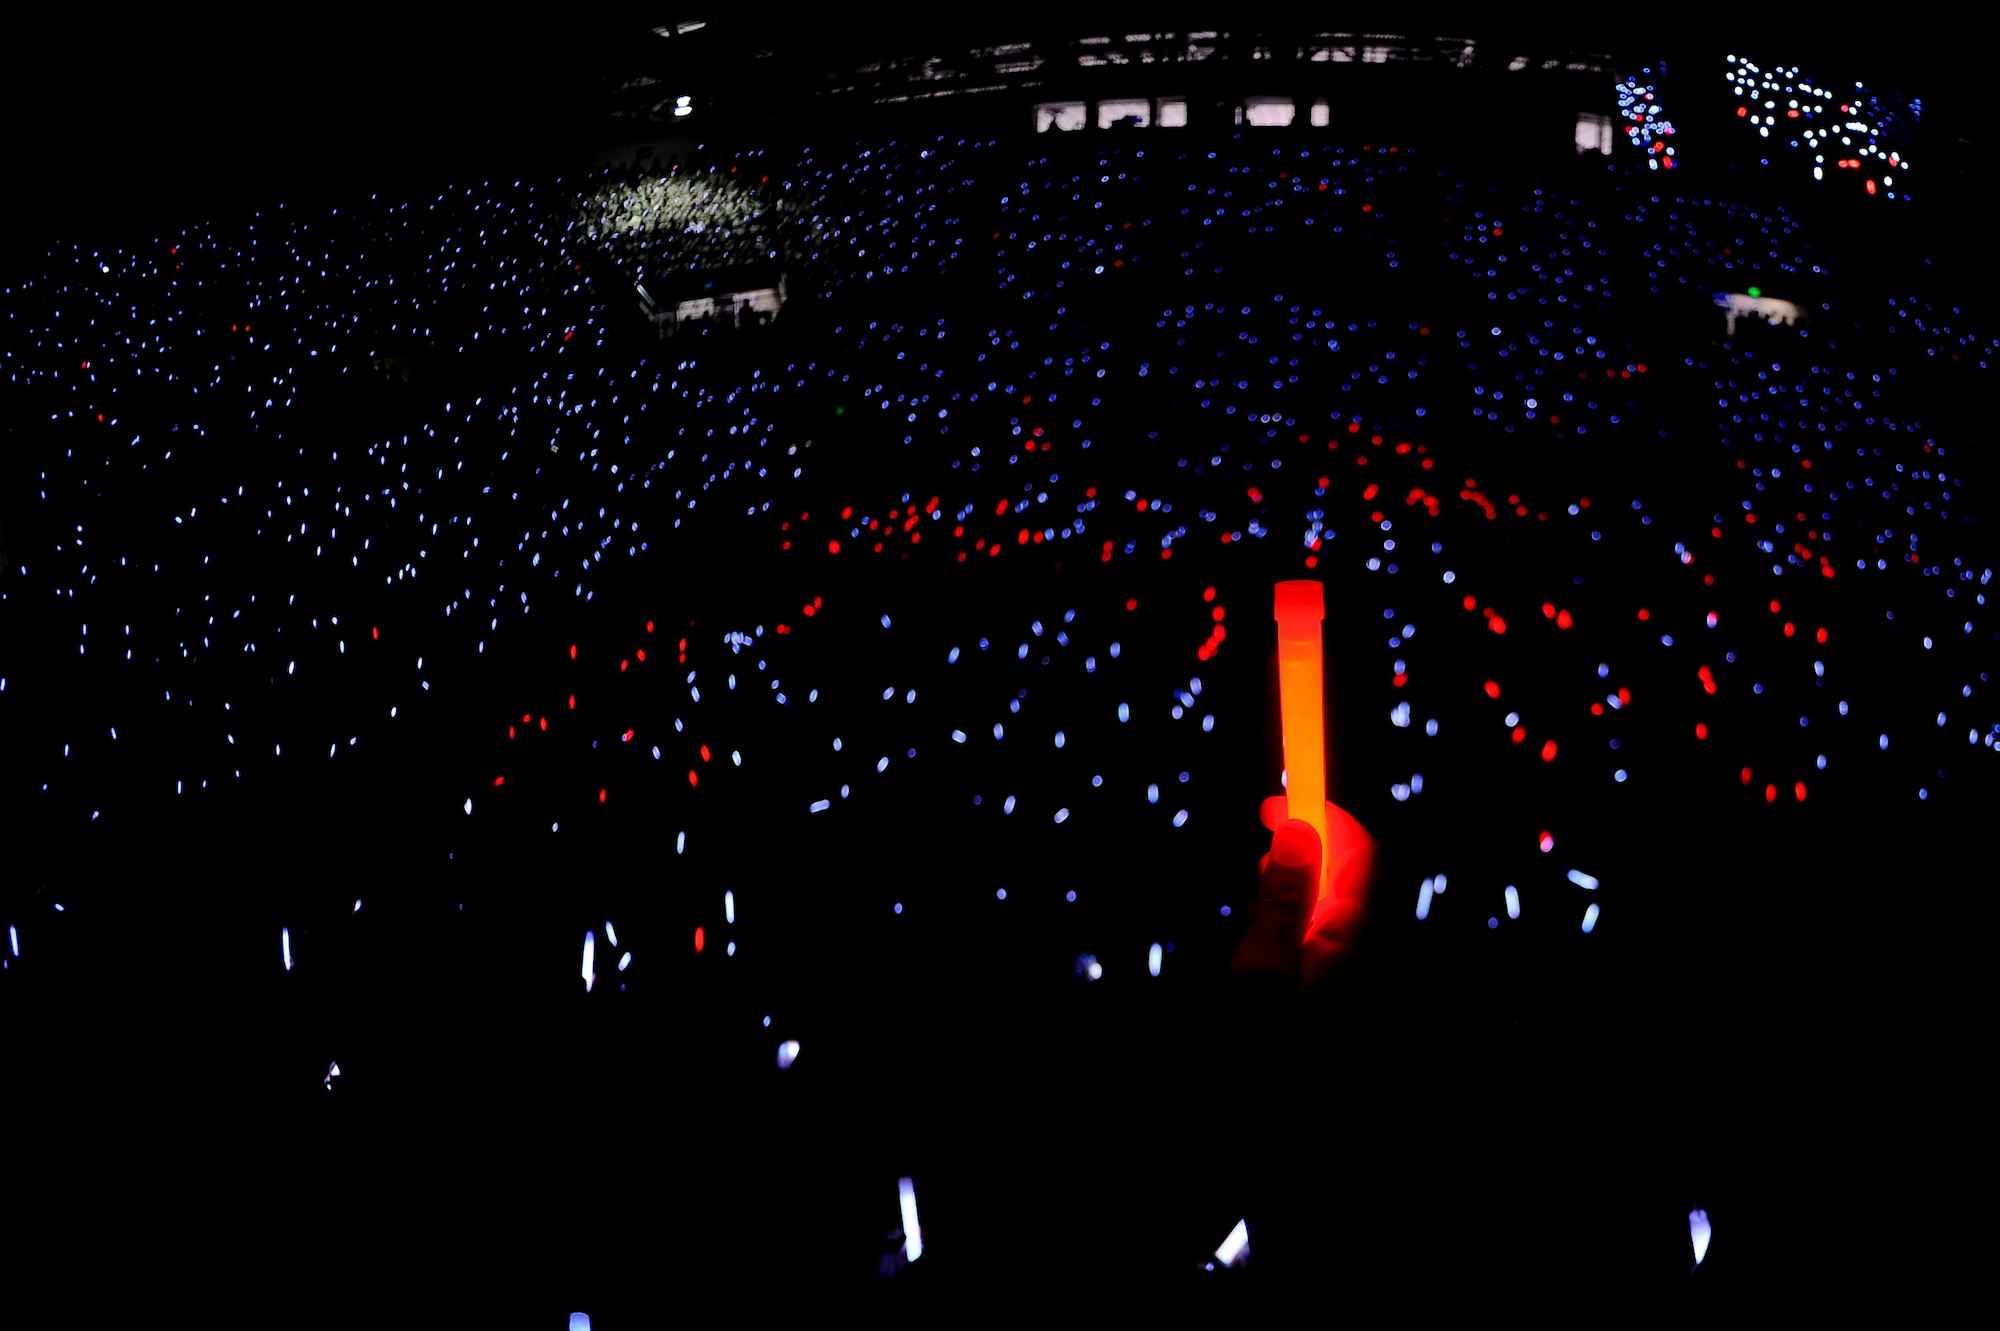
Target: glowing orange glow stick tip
x: 1300, y: 608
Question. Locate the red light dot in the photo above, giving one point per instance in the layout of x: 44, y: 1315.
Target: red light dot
x: 545, y: 723
x: 1774, y: 607
x: 1700, y: 730
x: 572, y: 651
x: 1799, y: 792
x: 1497, y: 624
x: 1471, y: 602
x: 376, y: 633
x: 1788, y: 630
x: 700, y: 939
x: 1563, y: 620
x: 1208, y: 594
x: 498, y: 780
x: 1492, y: 689
x: 1746, y: 776
x: 1645, y: 615
x: 1548, y: 843
x: 704, y: 753
x: 1770, y: 794
x: 649, y: 626
x: 1520, y: 733
x: 1548, y: 610
x: 603, y: 795
x: 1132, y: 604
x: 693, y: 780
x: 1822, y: 635
x: 833, y: 547
x: 1549, y: 752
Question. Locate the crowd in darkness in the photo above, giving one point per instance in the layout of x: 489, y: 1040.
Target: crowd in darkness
x: 655, y: 220
x: 881, y: 713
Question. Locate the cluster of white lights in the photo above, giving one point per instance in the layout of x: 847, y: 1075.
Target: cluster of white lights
x: 1645, y: 125
x: 1824, y: 121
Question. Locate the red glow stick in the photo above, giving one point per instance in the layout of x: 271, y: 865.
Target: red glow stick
x: 1300, y: 607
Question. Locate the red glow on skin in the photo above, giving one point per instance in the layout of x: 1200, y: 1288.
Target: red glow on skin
x: 1293, y: 931
x: 700, y: 940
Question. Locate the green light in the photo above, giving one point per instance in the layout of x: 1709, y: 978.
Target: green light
x: 1755, y: 292
x: 840, y: 411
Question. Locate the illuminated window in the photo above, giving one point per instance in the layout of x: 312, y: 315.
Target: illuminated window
x: 1268, y: 111
x: 1173, y: 113
x: 1137, y: 114
x: 1593, y: 133
x: 1067, y: 117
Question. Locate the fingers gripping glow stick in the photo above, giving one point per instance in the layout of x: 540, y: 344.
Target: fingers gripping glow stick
x: 1300, y: 608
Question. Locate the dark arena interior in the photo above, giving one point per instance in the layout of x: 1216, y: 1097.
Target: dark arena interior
x: 864, y: 904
